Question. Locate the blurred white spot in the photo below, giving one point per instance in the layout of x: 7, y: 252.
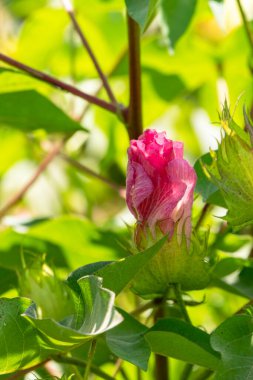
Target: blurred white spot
x: 207, y: 133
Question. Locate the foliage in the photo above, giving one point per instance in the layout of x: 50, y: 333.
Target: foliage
x: 75, y: 289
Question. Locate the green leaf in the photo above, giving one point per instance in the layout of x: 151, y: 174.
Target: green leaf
x: 23, y: 7
x: 85, y: 270
x: 142, y: 11
x: 14, y: 247
x: 242, y: 285
x: 52, y: 297
x: 233, y: 339
x: 167, y: 86
x: 177, y: 15
x: 230, y: 242
x: 228, y: 265
x: 127, y: 341
x: 14, y: 81
x: 80, y: 240
x: 40, y: 52
x: 180, y: 340
x: 118, y: 275
x: 93, y: 314
x: 207, y: 189
x: 20, y: 346
x: 29, y: 110
x: 8, y: 280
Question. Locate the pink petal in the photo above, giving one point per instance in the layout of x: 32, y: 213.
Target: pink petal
x: 139, y: 186
x: 182, y: 171
x: 165, y: 199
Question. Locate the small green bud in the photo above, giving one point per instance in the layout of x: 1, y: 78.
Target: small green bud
x: 232, y: 172
x: 175, y: 263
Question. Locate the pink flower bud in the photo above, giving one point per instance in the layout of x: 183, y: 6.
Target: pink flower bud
x: 160, y: 186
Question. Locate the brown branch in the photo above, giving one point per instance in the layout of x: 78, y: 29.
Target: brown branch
x: 41, y: 168
x: 69, y: 9
x: 135, y: 103
x: 113, y: 69
x: 90, y: 172
x: 58, y: 84
x: 23, y: 372
x: 161, y: 362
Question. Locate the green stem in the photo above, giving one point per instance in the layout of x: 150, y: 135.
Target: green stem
x: 180, y: 302
x: 76, y: 372
x: 204, y: 375
x: 90, y: 358
x: 22, y: 373
x: 246, y: 24
x: 186, y: 371
x: 134, y: 116
x: 83, y: 364
x: 139, y: 374
x: 140, y: 309
x: 203, y: 215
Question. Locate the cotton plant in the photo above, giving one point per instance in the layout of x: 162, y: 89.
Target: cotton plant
x: 169, y: 295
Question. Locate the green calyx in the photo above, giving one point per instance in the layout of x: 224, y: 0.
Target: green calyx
x: 232, y: 172
x: 175, y: 263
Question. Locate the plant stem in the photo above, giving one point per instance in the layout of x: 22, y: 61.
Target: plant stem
x: 134, y: 116
x: 41, y: 168
x: 58, y: 84
x: 22, y: 373
x: 83, y: 364
x: 139, y: 373
x: 180, y: 302
x: 204, y: 375
x: 203, y: 214
x: 186, y: 371
x: 76, y: 372
x: 90, y: 358
x: 140, y: 309
x: 246, y: 24
x: 117, y: 368
x: 69, y: 9
x: 161, y: 362
x: 90, y: 172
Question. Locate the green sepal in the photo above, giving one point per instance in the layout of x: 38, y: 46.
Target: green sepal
x: 175, y: 263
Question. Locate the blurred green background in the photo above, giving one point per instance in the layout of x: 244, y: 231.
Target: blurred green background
x: 74, y: 217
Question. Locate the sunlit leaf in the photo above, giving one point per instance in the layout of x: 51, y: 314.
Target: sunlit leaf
x: 177, y: 15
x: 93, y: 313
x: 29, y: 110
x: 180, y: 340
x: 20, y: 347
x: 127, y: 341
x: 233, y: 340
x: 142, y: 11
x: 119, y: 274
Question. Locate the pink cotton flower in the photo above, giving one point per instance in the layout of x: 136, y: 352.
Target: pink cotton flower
x: 160, y: 185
